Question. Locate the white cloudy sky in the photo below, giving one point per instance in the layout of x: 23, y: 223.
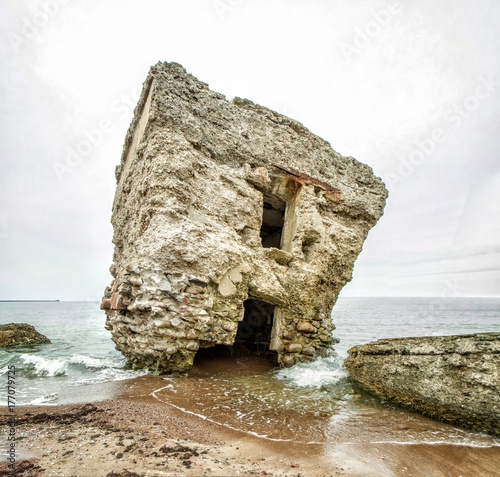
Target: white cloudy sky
x: 411, y: 88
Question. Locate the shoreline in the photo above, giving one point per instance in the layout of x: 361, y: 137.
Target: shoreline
x: 134, y: 432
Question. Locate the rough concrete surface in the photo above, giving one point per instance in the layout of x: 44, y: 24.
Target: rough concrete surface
x: 455, y: 379
x: 233, y: 225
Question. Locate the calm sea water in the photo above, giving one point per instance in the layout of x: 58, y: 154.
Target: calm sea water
x: 82, y: 352
x: 361, y: 320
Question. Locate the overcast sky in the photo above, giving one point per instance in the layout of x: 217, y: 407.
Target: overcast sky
x: 410, y: 88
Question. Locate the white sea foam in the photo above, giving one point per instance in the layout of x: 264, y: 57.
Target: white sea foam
x: 92, y: 362
x: 107, y: 375
x: 322, y: 372
x: 43, y: 401
x: 487, y: 443
x: 45, y: 366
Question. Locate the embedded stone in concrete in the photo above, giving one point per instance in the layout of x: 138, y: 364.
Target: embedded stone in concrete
x: 306, y: 327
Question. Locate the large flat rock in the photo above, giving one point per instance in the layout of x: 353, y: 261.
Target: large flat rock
x: 455, y: 379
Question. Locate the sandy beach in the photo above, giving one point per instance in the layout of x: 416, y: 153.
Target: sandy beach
x: 133, y: 434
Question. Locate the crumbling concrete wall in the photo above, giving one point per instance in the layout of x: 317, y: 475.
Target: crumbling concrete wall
x: 222, y: 201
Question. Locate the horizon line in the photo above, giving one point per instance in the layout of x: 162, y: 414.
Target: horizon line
x: 346, y: 296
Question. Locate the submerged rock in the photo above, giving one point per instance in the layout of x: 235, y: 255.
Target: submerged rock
x: 233, y: 224
x: 455, y: 379
x: 20, y: 334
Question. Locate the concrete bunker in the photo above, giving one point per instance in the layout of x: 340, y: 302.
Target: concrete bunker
x: 232, y: 225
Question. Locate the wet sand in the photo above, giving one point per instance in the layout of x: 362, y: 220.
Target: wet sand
x: 136, y: 433
x: 140, y: 428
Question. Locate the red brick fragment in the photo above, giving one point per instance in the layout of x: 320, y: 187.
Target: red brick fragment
x: 117, y: 302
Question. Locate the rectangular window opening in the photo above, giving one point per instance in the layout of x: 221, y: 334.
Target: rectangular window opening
x: 273, y: 219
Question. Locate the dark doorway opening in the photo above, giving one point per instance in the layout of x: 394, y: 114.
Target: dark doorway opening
x: 217, y: 351
x: 254, y: 332
x: 273, y: 219
x: 253, y: 336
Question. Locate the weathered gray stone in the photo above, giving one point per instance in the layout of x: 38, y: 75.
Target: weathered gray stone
x: 309, y: 351
x: 165, y: 286
x: 228, y: 208
x: 14, y: 334
x: 454, y: 379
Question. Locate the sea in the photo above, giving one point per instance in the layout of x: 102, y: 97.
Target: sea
x: 312, y: 402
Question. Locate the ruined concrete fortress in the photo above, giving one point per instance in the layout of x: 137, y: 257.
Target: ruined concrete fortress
x: 233, y: 226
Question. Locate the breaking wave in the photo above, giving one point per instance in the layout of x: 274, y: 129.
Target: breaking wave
x: 39, y: 366
x: 35, y: 365
x: 322, y: 373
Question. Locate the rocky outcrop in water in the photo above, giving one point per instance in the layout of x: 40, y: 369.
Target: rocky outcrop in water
x: 455, y: 379
x: 20, y: 334
x: 233, y: 225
